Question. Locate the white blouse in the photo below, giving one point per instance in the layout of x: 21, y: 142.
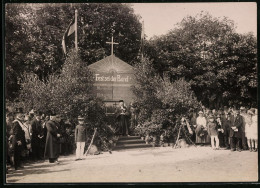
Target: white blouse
x: 201, y: 121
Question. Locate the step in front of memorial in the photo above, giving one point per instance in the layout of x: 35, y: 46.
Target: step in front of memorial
x: 130, y: 142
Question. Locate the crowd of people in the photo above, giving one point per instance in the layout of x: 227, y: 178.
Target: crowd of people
x: 30, y: 137
x: 228, y: 128
x: 36, y: 136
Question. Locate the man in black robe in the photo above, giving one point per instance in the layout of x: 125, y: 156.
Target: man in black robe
x: 122, y: 117
x: 52, y: 142
x: 36, y: 136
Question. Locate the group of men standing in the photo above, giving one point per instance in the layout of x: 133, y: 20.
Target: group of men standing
x: 41, y: 138
x: 22, y: 137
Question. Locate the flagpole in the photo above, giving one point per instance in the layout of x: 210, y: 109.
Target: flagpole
x: 76, y: 30
x: 142, y: 42
x: 112, y: 48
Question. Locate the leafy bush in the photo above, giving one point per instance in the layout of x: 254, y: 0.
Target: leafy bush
x: 161, y: 102
x: 66, y: 93
x: 69, y: 94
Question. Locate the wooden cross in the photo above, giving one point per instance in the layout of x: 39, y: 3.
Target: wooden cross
x: 112, y: 45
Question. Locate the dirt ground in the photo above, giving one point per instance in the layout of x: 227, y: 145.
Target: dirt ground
x: 160, y: 164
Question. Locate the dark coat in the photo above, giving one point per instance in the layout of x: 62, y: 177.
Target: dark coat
x: 18, y: 135
x: 123, y: 121
x: 36, y: 130
x: 51, y: 145
x: 226, y: 123
x: 236, y: 122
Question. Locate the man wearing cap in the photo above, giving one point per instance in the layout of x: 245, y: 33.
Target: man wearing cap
x: 122, y: 116
x: 52, y: 145
x: 246, y: 119
x: 18, y: 139
x: 236, y: 121
x: 80, y: 138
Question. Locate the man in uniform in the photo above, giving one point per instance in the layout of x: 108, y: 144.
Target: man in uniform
x: 52, y: 144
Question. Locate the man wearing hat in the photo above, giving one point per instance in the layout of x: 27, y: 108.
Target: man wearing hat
x: 235, y: 135
x: 18, y: 138
x: 80, y: 138
x: 122, y: 116
x: 246, y: 118
x: 52, y: 144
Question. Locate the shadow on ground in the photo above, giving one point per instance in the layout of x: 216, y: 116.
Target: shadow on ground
x: 33, y: 168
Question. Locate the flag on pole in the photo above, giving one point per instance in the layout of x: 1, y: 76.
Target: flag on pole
x: 70, y: 30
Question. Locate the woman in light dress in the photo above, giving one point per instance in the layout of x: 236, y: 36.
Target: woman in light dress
x: 251, y: 130
x: 202, y: 136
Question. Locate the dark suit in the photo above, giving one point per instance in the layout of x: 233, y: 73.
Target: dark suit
x: 36, y: 130
x: 235, y: 136
x: 18, y: 135
x: 243, y: 136
x: 52, y: 145
x: 43, y: 134
x: 225, y: 125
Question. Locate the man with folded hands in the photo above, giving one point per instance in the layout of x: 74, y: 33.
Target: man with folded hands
x: 235, y: 135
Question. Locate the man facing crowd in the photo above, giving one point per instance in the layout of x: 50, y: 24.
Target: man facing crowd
x: 122, y: 117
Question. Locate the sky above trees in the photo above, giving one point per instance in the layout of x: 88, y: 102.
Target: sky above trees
x: 159, y: 18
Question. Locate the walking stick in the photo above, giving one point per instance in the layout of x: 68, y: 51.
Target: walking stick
x: 95, y: 130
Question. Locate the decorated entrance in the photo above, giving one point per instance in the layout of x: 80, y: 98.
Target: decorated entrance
x: 113, y: 81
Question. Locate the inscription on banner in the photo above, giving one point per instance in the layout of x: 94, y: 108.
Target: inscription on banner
x: 116, y: 78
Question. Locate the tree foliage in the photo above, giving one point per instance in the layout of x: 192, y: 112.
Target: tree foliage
x: 161, y: 101
x: 34, y: 34
x: 220, y: 63
x: 68, y: 93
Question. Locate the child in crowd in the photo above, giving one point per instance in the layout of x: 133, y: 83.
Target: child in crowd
x: 80, y: 138
x: 212, y: 130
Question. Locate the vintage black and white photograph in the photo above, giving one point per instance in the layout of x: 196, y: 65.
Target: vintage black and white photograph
x: 130, y: 92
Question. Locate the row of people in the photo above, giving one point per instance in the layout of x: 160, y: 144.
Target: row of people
x: 26, y: 136
x: 231, y: 129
